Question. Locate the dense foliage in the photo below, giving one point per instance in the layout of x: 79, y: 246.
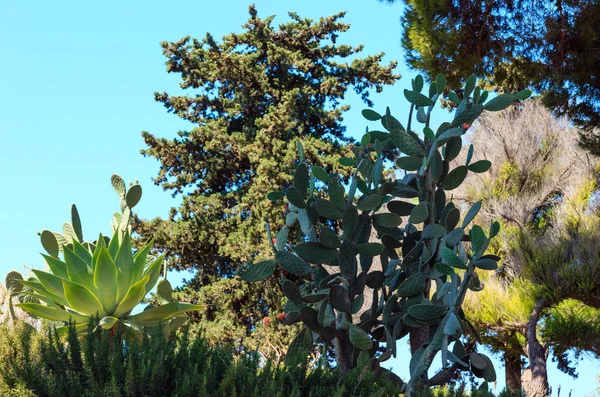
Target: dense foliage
x: 364, y: 254
x: 41, y: 364
x: 549, y: 45
x: 427, y: 266
x: 249, y: 97
x: 545, y: 191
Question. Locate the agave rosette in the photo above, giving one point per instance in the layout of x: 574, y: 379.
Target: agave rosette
x: 103, y: 279
x: 107, y: 281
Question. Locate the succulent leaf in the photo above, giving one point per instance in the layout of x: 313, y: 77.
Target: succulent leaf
x: 105, y: 280
x: 108, y: 322
x: 51, y: 282
x: 76, y: 222
x: 163, y: 312
x: 125, y: 267
x: 133, y: 296
x: 52, y: 313
x: 82, y: 300
x: 77, y: 269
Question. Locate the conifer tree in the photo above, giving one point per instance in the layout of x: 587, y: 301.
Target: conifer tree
x: 548, y: 45
x: 543, y: 190
x: 250, y: 96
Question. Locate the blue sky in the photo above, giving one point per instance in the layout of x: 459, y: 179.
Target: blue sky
x: 77, y: 85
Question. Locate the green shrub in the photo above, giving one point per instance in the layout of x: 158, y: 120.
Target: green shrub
x: 101, y: 364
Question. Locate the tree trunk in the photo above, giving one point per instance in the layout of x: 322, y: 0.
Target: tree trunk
x: 341, y: 345
x: 535, y: 378
x: 417, y: 338
x: 420, y: 336
x: 512, y: 362
x: 342, y: 354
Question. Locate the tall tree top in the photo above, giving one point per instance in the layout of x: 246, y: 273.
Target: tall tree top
x: 251, y: 96
x: 513, y: 44
x: 260, y: 85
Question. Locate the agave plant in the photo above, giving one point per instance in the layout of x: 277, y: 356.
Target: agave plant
x: 102, y: 279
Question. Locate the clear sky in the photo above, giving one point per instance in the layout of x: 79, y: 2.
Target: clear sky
x: 77, y: 85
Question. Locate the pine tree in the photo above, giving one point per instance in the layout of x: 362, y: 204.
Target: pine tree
x: 543, y: 189
x: 250, y: 97
x: 511, y: 45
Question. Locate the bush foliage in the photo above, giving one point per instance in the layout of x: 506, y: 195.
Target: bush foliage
x: 101, y: 364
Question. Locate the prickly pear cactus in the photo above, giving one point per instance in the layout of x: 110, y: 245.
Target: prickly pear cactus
x: 430, y: 253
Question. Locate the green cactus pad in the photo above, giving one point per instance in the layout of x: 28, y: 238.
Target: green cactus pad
x: 50, y: 243
x: 369, y: 203
x: 292, y: 263
x: 13, y: 282
x: 76, y: 222
x: 309, y: 316
x: 451, y: 259
x: 486, y: 264
x: 410, y: 321
x: 258, y: 271
x: 316, y: 297
x: 292, y: 292
x: 432, y: 231
x: 316, y: 253
x: 426, y: 312
x: 328, y: 210
x: 454, y: 237
x: 320, y: 174
x: 387, y: 220
x: 370, y: 249
x: 401, y: 208
x: 134, y: 194
x: 477, y: 361
x: 339, y: 299
x: 375, y: 279
x: 337, y: 194
x: 359, y: 338
x: 295, y: 197
x: 452, y: 326
x: 69, y: 233
x: 409, y: 163
x: 118, y: 184
x: 164, y: 290
x: 420, y: 213
x: 275, y: 195
x: 444, y: 269
x: 291, y: 317
x: 329, y: 238
x: 301, y: 178
x: 412, y: 286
